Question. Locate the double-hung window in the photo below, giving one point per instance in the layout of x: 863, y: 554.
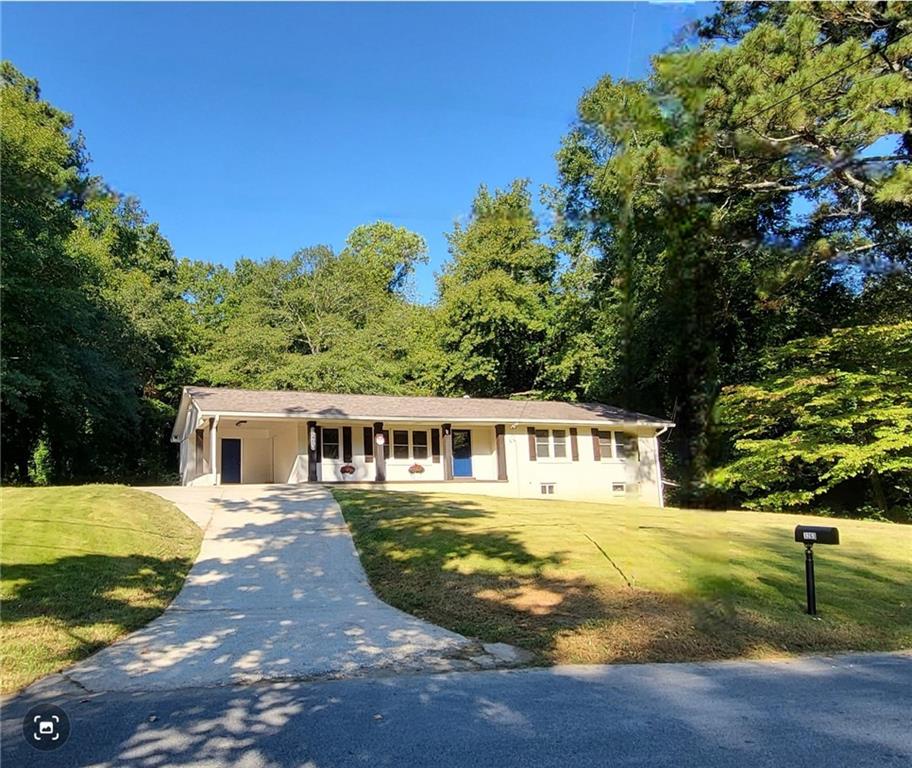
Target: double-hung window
x: 330, y: 443
x: 618, y: 445
x: 559, y: 440
x: 409, y: 445
x: 419, y: 445
x: 606, y: 444
x: 542, y: 444
x: 551, y: 443
x: 400, y: 444
x: 625, y: 446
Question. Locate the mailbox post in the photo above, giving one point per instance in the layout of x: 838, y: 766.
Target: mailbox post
x: 809, y: 535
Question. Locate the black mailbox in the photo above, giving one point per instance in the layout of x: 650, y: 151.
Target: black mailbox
x: 816, y: 534
x: 809, y: 535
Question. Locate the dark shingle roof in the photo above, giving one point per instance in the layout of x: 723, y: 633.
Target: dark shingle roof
x: 327, y: 406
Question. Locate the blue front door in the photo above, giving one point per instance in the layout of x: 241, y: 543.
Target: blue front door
x: 231, y: 460
x: 462, y: 453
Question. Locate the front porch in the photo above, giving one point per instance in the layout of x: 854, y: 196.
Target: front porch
x: 248, y: 451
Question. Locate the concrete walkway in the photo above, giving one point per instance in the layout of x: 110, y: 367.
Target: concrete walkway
x: 277, y: 592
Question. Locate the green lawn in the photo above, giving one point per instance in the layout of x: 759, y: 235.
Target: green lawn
x: 81, y: 566
x: 577, y: 582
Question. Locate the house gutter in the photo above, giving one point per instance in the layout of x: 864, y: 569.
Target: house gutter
x: 658, y: 462
x: 664, y: 425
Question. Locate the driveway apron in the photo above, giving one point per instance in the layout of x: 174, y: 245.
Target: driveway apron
x: 276, y: 592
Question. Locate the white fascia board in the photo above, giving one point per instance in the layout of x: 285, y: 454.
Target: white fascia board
x: 179, y: 431
x: 423, y: 420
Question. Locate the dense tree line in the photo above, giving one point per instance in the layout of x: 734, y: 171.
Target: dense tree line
x: 730, y: 247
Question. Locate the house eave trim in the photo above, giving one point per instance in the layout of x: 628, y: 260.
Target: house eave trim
x: 431, y: 420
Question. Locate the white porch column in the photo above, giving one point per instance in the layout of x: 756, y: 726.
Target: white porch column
x: 213, y: 450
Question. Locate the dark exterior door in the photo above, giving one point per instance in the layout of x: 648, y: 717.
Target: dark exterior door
x: 462, y: 453
x: 231, y: 460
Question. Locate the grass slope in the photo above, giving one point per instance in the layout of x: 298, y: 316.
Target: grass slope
x: 81, y: 566
x: 581, y: 583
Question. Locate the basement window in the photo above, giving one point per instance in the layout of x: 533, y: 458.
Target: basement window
x: 618, y: 488
x: 547, y: 489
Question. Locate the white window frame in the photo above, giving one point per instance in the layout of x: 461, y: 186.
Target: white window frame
x: 613, y: 442
x: 551, y: 443
x: 409, y: 431
x: 338, y: 444
x: 426, y: 446
x: 610, y: 443
x: 394, y: 444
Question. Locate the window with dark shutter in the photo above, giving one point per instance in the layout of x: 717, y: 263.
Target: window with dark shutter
x: 419, y: 445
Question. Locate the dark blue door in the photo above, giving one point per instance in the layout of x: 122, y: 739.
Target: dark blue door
x: 462, y: 453
x: 231, y: 460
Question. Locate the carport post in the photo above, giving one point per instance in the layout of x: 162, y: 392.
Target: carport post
x: 447, y: 430
x: 311, y: 451
x: 379, y: 454
x: 213, y: 449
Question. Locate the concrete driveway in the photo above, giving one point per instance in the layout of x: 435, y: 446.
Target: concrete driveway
x: 277, y: 592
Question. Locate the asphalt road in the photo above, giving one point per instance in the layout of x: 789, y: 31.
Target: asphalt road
x: 853, y: 710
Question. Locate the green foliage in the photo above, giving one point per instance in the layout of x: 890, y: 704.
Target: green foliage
x: 40, y: 467
x: 317, y: 321
x: 92, y: 320
x: 494, y: 298
x: 830, y: 414
x: 723, y: 216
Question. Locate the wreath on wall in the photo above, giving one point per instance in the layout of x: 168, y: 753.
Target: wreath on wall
x: 416, y: 469
x: 347, y: 469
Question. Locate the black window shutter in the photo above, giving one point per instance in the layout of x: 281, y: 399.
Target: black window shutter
x: 368, y: 444
x: 574, y: 448
x: 532, y: 451
x: 435, y: 446
x: 347, y: 444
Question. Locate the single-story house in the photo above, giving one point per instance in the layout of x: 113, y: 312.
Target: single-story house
x: 519, y: 448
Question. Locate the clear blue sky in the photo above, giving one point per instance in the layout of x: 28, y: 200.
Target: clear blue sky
x: 253, y: 130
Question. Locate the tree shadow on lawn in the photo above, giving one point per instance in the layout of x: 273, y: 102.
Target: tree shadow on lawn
x: 427, y: 556
x: 66, y: 609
